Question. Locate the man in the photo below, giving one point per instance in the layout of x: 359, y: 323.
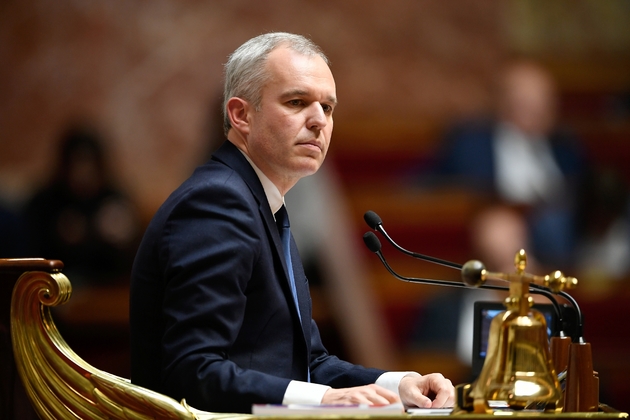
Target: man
x: 522, y: 157
x: 214, y: 318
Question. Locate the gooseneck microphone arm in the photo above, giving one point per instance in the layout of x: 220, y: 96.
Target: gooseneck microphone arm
x: 374, y: 244
x: 374, y: 221
x: 540, y: 290
x: 578, y: 312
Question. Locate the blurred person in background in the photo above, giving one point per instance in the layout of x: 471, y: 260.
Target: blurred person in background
x: 80, y: 217
x: 522, y: 157
x: 496, y: 233
x: 527, y: 172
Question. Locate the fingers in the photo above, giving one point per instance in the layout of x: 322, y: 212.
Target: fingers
x: 428, y: 391
x: 412, y: 396
x: 444, y: 392
x: 368, y: 394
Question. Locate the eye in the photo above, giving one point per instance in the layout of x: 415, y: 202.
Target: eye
x: 328, y: 109
x: 295, y: 102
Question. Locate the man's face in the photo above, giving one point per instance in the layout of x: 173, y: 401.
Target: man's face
x: 290, y: 133
x: 529, y: 100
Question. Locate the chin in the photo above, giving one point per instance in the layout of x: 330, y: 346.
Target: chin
x: 308, y: 166
x: 307, y: 171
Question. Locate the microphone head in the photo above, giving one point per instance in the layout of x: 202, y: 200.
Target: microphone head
x: 372, y: 242
x: 473, y: 273
x: 372, y: 219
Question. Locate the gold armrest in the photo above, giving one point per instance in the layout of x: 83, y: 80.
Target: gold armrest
x: 57, y: 381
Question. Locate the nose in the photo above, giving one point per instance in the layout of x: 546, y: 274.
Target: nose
x: 317, y: 117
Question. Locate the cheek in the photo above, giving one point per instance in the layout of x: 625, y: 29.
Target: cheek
x: 328, y: 134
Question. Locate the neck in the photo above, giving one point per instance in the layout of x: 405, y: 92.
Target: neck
x: 282, y: 184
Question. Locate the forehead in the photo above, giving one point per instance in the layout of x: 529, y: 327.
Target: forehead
x: 292, y: 70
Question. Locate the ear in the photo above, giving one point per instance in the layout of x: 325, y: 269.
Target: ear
x: 238, y: 112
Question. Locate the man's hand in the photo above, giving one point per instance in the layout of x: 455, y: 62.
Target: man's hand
x: 427, y: 391
x: 367, y: 394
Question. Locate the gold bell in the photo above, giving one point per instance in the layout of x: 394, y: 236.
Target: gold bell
x: 518, y: 371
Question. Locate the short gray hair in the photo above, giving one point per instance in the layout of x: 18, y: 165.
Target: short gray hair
x: 245, y: 73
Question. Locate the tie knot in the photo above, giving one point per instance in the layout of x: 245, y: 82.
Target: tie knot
x: 282, y: 218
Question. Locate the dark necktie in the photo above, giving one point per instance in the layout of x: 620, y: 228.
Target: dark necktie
x: 282, y: 220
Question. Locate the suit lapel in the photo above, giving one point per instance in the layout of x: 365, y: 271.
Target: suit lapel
x: 232, y: 157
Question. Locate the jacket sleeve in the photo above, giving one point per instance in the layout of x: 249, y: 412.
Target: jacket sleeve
x: 330, y: 370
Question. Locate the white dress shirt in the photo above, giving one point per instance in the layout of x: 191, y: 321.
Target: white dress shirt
x: 526, y: 170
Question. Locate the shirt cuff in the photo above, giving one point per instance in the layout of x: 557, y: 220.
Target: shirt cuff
x: 304, y: 393
x: 391, y: 380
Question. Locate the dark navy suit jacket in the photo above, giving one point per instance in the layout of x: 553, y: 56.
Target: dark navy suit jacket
x: 211, y: 311
x: 467, y: 155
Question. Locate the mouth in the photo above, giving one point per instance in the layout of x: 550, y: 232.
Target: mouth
x: 313, y: 144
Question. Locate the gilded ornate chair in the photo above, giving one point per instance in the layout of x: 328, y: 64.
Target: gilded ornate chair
x: 58, y: 383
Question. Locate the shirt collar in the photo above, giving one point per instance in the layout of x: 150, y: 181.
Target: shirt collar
x: 274, y: 198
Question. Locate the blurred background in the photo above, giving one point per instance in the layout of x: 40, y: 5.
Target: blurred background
x: 107, y: 106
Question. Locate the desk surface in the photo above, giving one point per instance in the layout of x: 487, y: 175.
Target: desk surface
x: 562, y: 416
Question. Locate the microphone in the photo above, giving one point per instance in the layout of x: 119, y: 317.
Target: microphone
x: 471, y: 276
x: 374, y: 221
x: 374, y: 245
x: 472, y: 270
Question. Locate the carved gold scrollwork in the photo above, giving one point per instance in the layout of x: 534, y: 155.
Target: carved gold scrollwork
x: 58, y: 382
